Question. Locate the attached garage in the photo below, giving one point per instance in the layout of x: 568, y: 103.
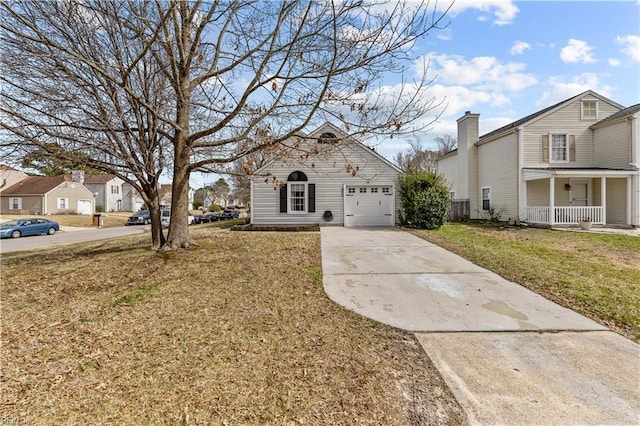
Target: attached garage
x: 85, y: 207
x: 369, y: 206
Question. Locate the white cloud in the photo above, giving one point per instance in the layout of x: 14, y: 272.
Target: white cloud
x: 504, y: 11
x: 485, y: 72
x: 445, y: 34
x: 630, y: 46
x: 577, y: 51
x: 519, y: 47
x: 614, y: 62
x: 561, y: 89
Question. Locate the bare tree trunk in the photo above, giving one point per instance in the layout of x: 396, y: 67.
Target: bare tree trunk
x: 179, y: 229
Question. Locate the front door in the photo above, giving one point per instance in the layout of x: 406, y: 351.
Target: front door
x: 579, y: 194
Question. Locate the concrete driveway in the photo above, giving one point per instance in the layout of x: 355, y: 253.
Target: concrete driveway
x: 509, y: 355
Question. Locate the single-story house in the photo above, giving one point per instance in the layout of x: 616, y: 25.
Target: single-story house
x: 326, y: 178
x: 576, y: 160
x: 47, y: 195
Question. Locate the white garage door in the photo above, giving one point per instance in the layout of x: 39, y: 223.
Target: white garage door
x: 368, y: 206
x: 85, y: 207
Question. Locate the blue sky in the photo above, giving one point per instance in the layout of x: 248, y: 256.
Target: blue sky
x: 507, y: 59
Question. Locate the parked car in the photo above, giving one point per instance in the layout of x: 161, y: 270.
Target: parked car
x: 230, y: 210
x: 32, y: 226
x: 196, y: 219
x: 212, y: 217
x: 165, y: 218
x: 143, y: 217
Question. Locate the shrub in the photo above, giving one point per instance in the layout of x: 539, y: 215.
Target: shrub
x: 425, y: 199
x: 197, y: 203
x: 99, y: 208
x: 215, y: 208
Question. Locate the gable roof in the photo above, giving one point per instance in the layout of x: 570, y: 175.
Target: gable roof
x: 35, y: 185
x: 5, y: 168
x: 620, y: 114
x: 101, y: 178
x: 545, y: 111
x: 330, y: 127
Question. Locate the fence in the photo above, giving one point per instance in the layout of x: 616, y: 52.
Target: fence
x: 459, y: 210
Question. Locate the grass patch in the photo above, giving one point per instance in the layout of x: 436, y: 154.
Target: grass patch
x: 237, y: 330
x: 597, y: 275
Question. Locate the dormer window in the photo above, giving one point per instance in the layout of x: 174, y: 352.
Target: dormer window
x: 589, y: 109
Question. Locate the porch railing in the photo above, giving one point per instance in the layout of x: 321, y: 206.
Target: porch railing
x: 565, y: 215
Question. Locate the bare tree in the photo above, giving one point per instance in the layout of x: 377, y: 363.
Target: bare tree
x: 243, y: 76
x: 446, y: 143
x: 76, y: 89
x: 419, y: 158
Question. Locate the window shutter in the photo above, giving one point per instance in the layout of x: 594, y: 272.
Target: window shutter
x: 572, y: 147
x: 545, y: 148
x: 312, y: 197
x: 283, y: 199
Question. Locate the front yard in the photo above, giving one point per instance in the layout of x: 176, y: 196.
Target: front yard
x: 235, y: 331
x: 597, y: 275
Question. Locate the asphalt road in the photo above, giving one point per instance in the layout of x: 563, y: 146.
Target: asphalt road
x: 67, y: 236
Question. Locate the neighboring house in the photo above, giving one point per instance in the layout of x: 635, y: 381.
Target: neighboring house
x: 10, y: 176
x: 342, y: 182
x: 578, y: 159
x: 131, y: 199
x: 46, y: 195
x: 108, y: 191
x: 165, y: 194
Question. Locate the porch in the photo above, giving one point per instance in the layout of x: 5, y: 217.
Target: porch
x: 565, y: 215
x: 563, y: 197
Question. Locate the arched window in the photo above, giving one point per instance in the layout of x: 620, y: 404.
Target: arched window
x: 297, y: 177
x: 298, y: 196
x: 327, y: 138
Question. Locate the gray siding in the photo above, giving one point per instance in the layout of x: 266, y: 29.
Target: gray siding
x: 498, y: 169
x: 564, y: 120
x: 448, y: 167
x: 617, y: 201
x: 613, y: 145
x: 73, y: 192
x: 328, y: 172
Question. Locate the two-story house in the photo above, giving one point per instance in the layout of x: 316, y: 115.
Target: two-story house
x: 107, y: 190
x: 575, y: 160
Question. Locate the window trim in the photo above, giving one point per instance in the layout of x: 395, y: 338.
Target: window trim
x: 482, y: 199
x: 567, y: 142
x: 304, y: 197
x: 66, y: 203
x: 582, y: 104
x: 18, y: 203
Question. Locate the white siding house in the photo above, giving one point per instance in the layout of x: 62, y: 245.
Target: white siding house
x: 574, y: 160
x: 343, y: 182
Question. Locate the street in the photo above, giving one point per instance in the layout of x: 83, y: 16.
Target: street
x: 66, y: 236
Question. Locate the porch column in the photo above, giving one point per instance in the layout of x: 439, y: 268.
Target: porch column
x: 603, y: 198
x: 552, y: 197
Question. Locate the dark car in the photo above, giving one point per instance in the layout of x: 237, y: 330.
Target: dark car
x: 143, y: 217
x: 213, y: 217
x: 32, y: 226
x: 233, y: 212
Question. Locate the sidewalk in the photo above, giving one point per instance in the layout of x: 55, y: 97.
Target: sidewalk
x: 509, y: 355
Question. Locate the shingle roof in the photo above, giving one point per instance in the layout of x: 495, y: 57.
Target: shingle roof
x: 35, y: 185
x: 6, y: 168
x: 623, y: 113
x: 101, y: 178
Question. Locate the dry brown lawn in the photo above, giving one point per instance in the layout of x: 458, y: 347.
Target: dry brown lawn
x: 235, y: 331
